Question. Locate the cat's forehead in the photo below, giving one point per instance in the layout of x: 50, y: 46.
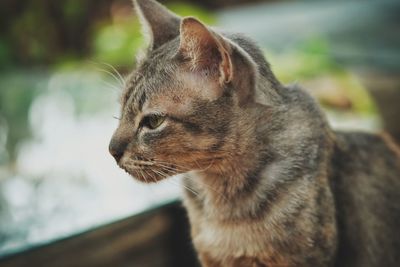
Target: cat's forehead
x: 152, y: 85
x: 163, y: 84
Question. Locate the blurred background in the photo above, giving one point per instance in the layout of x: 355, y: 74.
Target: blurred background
x: 60, y: 67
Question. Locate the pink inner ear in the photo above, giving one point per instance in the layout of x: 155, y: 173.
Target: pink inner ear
x: 205, y: 50
x: 226, y: 67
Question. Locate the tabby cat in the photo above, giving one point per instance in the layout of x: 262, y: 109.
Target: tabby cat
x: 269, y: 183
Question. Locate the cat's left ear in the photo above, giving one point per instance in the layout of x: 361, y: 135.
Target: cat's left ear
x: 205, y: 50
x: 160, y: 24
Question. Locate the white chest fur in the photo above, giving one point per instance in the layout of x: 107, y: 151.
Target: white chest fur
x: 232, y: 240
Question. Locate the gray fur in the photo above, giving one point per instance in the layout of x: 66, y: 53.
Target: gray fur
x: 269, y: 182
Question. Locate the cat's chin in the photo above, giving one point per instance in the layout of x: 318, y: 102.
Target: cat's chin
x: 144, y: 175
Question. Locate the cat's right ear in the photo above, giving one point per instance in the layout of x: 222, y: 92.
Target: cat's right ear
x: 159, y: 24
x: 205, y: 50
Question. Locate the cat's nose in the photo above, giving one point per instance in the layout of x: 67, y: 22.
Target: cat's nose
x: 117, y: 148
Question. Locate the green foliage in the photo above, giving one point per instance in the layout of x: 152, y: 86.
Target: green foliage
x: 74, y: 9
x: 357, y: 93
x: 5, y: 53
x: 32, y: 41
x: 308, y: 60
x: 17, y: 93
x: 117, y: 42
x: 184, y: 9
x: 49, y: 32
x: 313, y: 59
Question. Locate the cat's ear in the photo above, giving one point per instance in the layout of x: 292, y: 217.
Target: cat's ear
x: 205, y: 50
x: 160, y: 24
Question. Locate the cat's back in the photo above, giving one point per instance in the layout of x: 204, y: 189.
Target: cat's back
x: 365, y: 178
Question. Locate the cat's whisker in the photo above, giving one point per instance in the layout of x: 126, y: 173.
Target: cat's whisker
x: 170, y: 180
x: 111, y: 86
x: 112, y: 75
x: 116, y: 75
x: 141, y: 174
x: 173, y: 169
x: 205, y: 168
x: 122, y: 80
x: 161, y: 173
x: 170, y: 172
x: 209, y: 166
x: 172, y: 166
x: 184, y: 186
x: 149, y: 175
x: 205, y: 185
x: 210, y: 188
x: 165, y: 175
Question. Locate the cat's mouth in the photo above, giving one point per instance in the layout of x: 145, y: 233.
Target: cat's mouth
x: 148, y: 171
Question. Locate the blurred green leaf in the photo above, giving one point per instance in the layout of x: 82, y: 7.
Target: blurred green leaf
x: 118, y: 42
x: 185, y: 9
x: 5, y: 54
x: 312, y: 60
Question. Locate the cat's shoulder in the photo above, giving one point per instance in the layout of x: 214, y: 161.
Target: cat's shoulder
x: 367, y: 160
x: 363, y: 142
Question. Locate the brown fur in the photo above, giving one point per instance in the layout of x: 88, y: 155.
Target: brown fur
x: 268, y: 182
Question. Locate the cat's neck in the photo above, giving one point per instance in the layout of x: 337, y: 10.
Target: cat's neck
x: 236, y: 177
x: 265, y: 160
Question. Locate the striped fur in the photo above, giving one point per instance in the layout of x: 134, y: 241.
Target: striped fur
x: 268, y: 182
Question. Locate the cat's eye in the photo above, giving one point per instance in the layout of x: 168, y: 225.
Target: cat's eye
x: 153, y: 121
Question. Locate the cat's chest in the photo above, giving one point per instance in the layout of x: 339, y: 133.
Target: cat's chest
x: 220, y: 234
x: 243, y: 244
x: 223, y: 240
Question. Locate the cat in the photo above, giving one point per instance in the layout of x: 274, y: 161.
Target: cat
x: 268, y: 182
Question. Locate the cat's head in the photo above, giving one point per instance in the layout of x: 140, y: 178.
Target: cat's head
x: 181, y: 105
